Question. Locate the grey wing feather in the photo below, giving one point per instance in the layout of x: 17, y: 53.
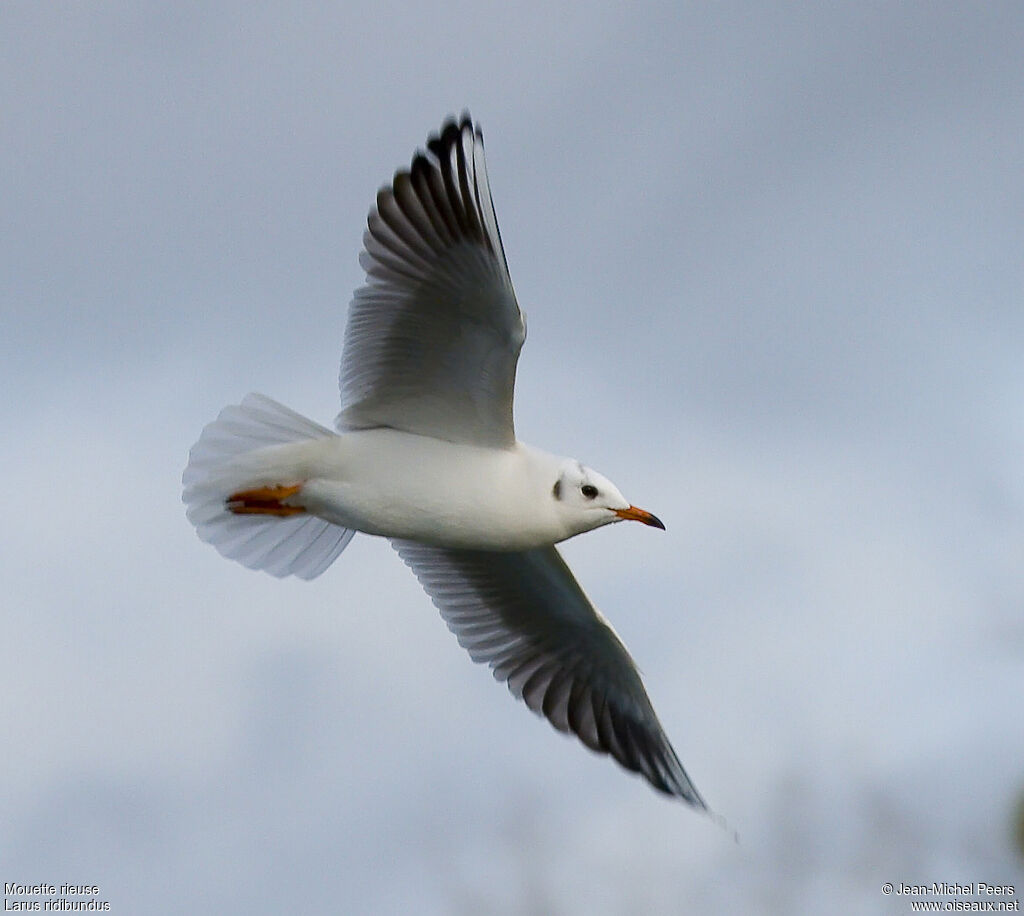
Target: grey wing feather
x: 434, y: 335
x: 525, y: 616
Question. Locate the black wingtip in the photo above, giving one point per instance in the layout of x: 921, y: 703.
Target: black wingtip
x: 449, y: 133
x: 456, y: 125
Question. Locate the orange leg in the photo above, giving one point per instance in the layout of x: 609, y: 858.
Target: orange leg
x: 264, y: 501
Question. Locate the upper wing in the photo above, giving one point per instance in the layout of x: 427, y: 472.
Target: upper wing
x: 433, y: 337
x: 526, y: 616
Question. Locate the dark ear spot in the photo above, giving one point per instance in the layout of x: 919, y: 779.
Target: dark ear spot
x: 556, y: 490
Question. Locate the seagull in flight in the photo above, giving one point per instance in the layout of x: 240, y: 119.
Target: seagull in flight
x: 425, y: 455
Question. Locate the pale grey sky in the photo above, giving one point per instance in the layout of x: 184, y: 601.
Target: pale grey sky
x: 771, y: 262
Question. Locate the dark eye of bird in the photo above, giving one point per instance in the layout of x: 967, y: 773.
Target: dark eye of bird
x: 589, y: 490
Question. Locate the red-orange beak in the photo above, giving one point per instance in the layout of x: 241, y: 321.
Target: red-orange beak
x: 640, y: 515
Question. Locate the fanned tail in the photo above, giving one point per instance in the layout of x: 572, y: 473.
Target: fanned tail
x: 243, y: 452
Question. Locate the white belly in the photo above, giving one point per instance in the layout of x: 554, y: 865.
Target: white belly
x: 396, y: 484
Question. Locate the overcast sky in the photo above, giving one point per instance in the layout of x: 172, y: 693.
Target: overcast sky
x: 771, y: 263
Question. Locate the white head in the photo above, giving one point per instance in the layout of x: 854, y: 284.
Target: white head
x: 586, y: 500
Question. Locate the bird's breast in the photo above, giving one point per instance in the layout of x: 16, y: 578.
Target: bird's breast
x: 394, y: 484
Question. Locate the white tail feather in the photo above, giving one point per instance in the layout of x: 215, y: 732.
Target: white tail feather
x: 237, y: 450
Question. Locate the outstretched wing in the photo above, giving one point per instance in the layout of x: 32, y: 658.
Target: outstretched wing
x: 433, y: 337
x: 525, y: 615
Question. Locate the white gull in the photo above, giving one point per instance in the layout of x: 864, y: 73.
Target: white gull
x: 426, y: 456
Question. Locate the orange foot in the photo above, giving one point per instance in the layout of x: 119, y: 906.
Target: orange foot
x: 264, y: 501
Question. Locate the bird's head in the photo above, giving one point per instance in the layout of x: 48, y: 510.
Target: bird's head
x: 588, y: 500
